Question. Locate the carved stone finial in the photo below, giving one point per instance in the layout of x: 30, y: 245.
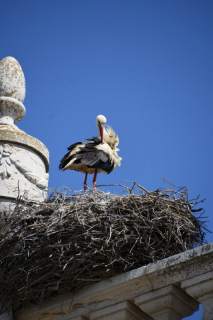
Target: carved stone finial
x: 12, y: 91
x: 23, y: 159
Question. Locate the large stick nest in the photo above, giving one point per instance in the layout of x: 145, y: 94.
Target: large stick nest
x: 72, y: 241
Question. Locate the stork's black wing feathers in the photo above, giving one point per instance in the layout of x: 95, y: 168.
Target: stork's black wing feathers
x: 72, y: 146
x: 64, y: 161
x: 88, y: 156
x: 94, y: 140
x: 106, y: 166
x: 67, y: 158
x: 94, y: 158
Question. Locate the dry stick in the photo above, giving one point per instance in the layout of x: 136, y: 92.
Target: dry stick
x: 142, y: 188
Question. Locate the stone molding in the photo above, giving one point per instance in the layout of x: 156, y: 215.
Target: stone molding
x: 11, y: 110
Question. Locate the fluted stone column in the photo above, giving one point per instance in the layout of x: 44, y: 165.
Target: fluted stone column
x: 23, y: 158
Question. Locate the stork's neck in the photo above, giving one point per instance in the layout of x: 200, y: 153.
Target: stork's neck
x: 101, y: 130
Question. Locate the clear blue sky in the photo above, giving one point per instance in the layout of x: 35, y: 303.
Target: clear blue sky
x: 146, y: 65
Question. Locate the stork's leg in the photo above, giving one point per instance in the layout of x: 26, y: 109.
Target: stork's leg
x: 94, y: 180
x: 85, y: 182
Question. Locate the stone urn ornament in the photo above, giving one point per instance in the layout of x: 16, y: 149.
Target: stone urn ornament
x: 24, y: 159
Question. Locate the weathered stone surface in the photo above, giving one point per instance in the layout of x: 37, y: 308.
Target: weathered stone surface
x: 22, y: 173
x: 120, y: 311
x: 14, y: 135
x: 10, y: 110
x: 12, y: 80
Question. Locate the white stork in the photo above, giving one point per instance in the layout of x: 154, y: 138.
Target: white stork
x: 97, y: 154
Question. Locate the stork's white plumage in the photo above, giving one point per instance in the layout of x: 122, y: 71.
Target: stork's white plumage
x: 98, y: 154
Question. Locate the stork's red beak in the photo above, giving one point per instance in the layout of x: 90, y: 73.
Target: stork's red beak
x: 101, y: 132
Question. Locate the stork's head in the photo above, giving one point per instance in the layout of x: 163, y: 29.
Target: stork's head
x: 101, y: 120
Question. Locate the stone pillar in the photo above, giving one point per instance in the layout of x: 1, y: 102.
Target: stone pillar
x: 201, y: 288
x: 120, y: 311
x: 23, y: 158
x: 167, y: 303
